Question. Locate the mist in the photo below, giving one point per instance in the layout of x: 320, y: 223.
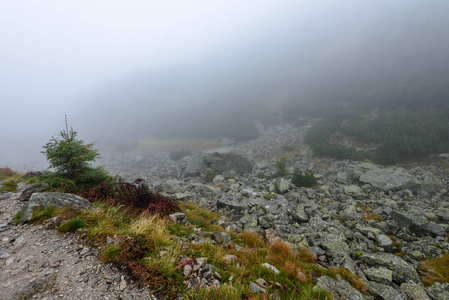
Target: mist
x: 123, y: 71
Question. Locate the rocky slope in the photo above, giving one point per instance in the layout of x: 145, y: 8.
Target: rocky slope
x: 378, y: 222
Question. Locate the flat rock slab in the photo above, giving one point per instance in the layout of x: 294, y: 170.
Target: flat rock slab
x: 52, y: 199
x: 387, y: 179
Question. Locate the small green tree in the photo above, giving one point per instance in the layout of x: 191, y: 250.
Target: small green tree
x: 71, y: 158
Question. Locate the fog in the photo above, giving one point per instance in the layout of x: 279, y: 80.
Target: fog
x: 126, y: 70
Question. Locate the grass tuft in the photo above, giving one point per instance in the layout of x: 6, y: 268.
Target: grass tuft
x: 72, y: 225
x: 111, y: 252
x: 41, y: 214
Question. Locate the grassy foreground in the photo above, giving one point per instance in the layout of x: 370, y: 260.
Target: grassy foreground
x: 150, y: 249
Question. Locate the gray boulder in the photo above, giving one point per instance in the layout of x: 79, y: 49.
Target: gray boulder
x: 195, y: 166
x: 388, y: 179
x: 417, y: 224
x: 171, y: 186
x: 226, y: 159
x: 33, y: 188
x: 439, y: 291
x: 52, y: 199
x: 379, y: 275
x: 414, y: 291
x: 402, y: 271
x: 385, y: 292
x: 340, y: 289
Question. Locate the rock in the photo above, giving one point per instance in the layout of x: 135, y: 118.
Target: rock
x: 379, y: 275
x: 52, y: 223
x: 230, y: 259
x: 266, y: 221
x: 256, y: 289
x: 52, y: 199
x: 195, y: 166
x: 299, y: 215
x: 41, y: 284
x: 179, y: 218
x: 222, y: 238
x: 282, y: 185
x: 439, y: 291
x: 218, y: 179
x: 417, y: 224
x: 387, y: 179
x: 333, y: 243
x: 187, y: 270
x: 271, y: 236
x: 402, y: 271
x: 353, y: 190
x: 33, y: 188
x: 385, y: 292
x: 414, y: 291
x: 171, y: 186
x: 385, y: 242
x: 340, y: 289
x: 271, y: 268
x: 226, y: 159
x: 123, y: 285
x: 350, y: 213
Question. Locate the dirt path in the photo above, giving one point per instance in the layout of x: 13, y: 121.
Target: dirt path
x: 39, y: 263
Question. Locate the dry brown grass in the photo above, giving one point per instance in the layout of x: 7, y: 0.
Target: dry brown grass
x: 252, y: 239
x: 437, y: 270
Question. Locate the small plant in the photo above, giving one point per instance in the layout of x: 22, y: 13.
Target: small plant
x: 303, y: 180
x: 281, y: 166
x: 72, y: 225
x: 111, y: 252
x: 204, y: 214
x: 17, y: 217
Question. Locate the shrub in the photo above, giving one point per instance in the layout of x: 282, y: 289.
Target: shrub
x: 71, y: 158
x: 303, y: 180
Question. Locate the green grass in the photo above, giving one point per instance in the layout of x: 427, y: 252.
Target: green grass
x: 72, y: 225
x: 17, y: 217
x: 41, y: 214
x: 111, y: 252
